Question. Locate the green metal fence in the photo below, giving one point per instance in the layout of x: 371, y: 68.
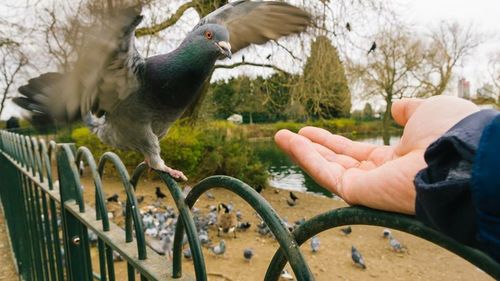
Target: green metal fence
x: 48, y: 220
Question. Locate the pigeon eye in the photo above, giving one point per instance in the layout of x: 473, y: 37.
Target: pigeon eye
x: 209, y: 35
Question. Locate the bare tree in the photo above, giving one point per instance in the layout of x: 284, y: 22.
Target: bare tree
x: 449, y: 45
x: 12, y: 60
x: 388, y: 72
x: 494, y: 71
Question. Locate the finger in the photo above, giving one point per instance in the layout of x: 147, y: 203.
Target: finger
x: 403, y: 109
x: 345, y: 161
x: 389, y: 187
x: 282, y: 139
x: 340, y: 145
x: 326, y: 174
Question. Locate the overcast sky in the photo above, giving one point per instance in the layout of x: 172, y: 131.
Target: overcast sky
x: 483, y: 14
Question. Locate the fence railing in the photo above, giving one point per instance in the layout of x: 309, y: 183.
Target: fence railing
x: 48, y: 220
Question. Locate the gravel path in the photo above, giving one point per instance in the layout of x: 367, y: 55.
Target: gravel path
x: 8, y: 271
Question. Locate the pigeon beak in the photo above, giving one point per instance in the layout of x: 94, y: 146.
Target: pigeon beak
x: 225, y: 49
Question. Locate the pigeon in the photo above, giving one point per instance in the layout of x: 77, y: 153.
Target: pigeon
x: 315, y: 244
x: 293, y: 196
x: 346, y: 230
x: 187, y: 254
x: 81, y: 167
x: 243, y: 226
x: 285, y: 275
x: 130, y: 101
x: 357, y: 258
x: 226, y: 220
x: 292, y: 201
x: 219, y: 249
x: 113, y: 198
x: 140, y: 199
x: 386, y: 233
x: 395, y: 245
x: 159, y: 194
x: 93, y: 238
x: 372, y: 48
x: 239, y: 216
x: 248, y: 254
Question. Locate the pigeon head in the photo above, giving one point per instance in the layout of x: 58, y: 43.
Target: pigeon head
x: 212, y: 40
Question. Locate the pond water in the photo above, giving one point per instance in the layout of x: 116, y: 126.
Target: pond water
x: 286, y: 175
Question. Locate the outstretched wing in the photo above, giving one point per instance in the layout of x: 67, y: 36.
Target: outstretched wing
x: 106, y: 72
x: 252, y: 22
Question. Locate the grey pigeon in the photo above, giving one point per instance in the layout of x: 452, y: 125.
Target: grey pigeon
x: 357, y: 258
x: 315, y: 244
x: 285, y: 275
x: 187, y: 254
x: 248, y: 254
x: 219, y: 249
x: 130, y: 101
x: 395, y: 245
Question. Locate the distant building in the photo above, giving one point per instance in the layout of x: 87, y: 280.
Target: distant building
x: 463, y: 88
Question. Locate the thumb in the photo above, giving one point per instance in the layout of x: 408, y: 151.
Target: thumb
x: 403, y: 109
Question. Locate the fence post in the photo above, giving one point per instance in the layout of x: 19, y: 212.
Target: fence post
x: 78, y: 263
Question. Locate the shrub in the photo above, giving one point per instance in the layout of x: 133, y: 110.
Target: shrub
x: 200, y: 151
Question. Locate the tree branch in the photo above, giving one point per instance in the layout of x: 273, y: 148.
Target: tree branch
x: 152, y: 30
x: 231, y: 66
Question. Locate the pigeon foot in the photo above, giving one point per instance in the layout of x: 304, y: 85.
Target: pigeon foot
x: 160, y: 166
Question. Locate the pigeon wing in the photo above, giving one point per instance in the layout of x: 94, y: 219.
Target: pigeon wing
x: 106, y: 72
x: 109, y: 66
x: 252, y: 22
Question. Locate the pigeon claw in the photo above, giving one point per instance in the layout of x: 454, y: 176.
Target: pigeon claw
x: 176, y: 174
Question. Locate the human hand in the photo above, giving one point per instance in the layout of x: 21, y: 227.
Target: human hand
x: 379, y: 177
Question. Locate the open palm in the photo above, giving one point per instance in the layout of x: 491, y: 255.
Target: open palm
x: 376, y: 176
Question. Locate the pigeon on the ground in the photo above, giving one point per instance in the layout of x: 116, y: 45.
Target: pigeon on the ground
x: 159, y: 194
x: 346, y: 230
x: 395, y: 244
x: 386, y: 233
x: 226, y: 220
x: 113, y: 198
x: 285, y: 275
x: 372, y: 48
x: 187, y: 253
x: 209, y: 195
x: 219, y: 249
x: 248, y: 254
x: 81, y: 167
x: 357, y: 258
x: 130, y: 101
x: 315, y: 244
x: 243, y: 226
x: 293, y: 196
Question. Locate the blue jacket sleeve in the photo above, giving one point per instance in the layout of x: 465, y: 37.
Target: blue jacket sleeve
x: 459, y: 191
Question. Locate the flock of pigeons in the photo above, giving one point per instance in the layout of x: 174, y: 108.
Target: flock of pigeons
x: 159, y: 222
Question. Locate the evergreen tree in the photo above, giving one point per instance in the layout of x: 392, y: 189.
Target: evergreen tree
x: 323, y: 88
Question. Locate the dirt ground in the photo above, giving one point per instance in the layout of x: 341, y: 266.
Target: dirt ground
x: 421, y: 261
x: 8, y: 271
